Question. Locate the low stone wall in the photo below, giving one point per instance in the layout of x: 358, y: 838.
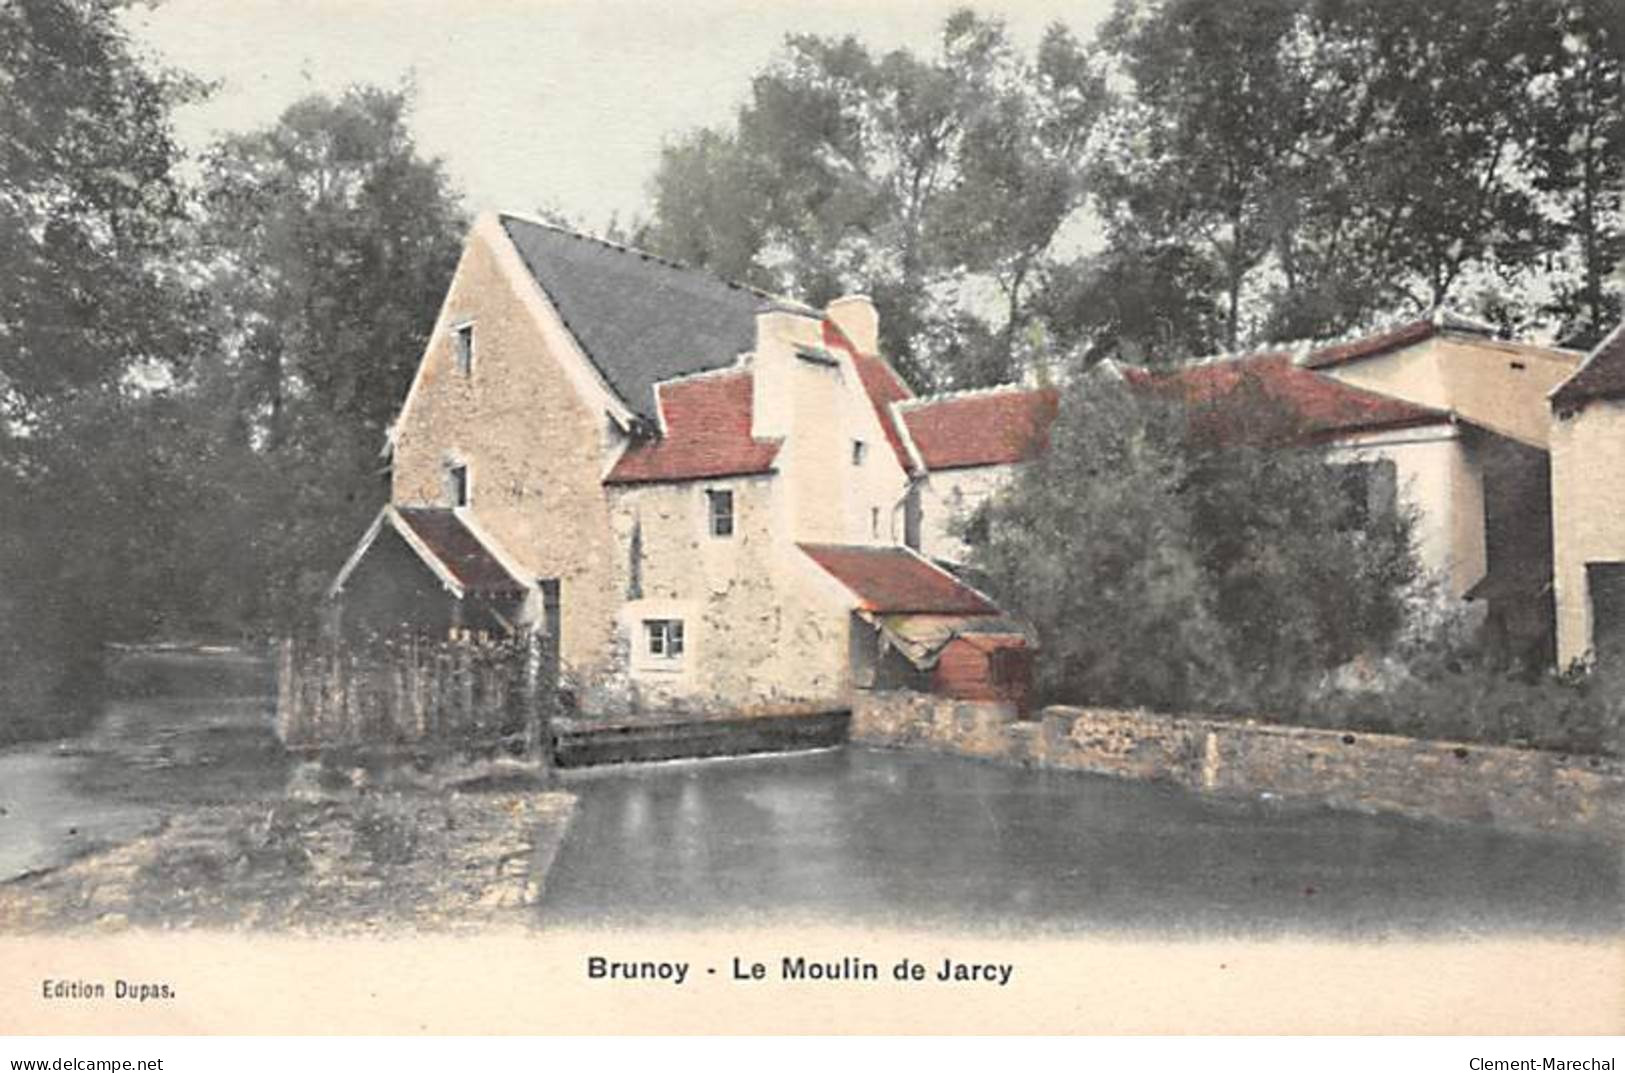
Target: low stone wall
x: 1519, y: 788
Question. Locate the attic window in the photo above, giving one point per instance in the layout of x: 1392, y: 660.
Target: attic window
x: 720, y: 512
x: 463, y: 340
x: 457, y: 485
x: 859, y: 451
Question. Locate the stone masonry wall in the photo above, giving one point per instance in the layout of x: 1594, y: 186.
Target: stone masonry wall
x: 1518, y: 788
x: 535, y: 450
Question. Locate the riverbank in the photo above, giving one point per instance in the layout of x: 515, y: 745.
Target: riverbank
x: 179, y: 808
x: 1519, y: 789
x: 384, y: 863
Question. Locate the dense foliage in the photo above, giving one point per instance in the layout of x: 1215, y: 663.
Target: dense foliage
x: 1253, y: 171
x: 194, y: 376
x: 1163, y: 569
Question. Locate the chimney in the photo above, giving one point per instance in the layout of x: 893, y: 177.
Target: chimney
x: 855, y: 315
x: 779, y: 332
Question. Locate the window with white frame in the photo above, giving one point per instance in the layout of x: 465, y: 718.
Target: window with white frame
x: 719, y: 507
x: 663, y: 640
x: 463, y: 343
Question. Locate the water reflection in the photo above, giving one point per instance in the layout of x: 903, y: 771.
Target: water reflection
x: 899, y: 838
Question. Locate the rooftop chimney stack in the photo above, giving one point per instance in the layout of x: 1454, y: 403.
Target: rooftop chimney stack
x: 855, y: 315
x: 780, y: 331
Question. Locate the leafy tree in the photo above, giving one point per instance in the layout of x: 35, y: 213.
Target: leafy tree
x: 1339, y: 162
x: 1432, y: 118
x: 1093, y: 544
x: 1163, y: 567
x: 1580, y: 156
x: 90, y: 204
x: 329, y: 242
x: 936, y: 184
x: 94, y: 314
x: 1208, y: 148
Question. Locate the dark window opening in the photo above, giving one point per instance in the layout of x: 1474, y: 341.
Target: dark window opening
x: 1370, y: 491
x: 720, y: 505
x: 465, y: 349
x: 1606, y: 582
x: 457, y: 485
x: 860, y: 450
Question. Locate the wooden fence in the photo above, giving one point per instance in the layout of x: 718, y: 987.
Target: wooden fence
x: 413, y: 691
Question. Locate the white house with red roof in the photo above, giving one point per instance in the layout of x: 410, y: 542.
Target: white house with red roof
x: 966, y: 447
x: 717, y: 499
x: 707, y: 494
x: 1436, y: 414
x: 1588, y: 506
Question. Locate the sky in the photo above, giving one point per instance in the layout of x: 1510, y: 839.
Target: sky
x: 553, y: 105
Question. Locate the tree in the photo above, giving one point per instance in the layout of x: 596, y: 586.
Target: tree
x: 329, y: 242
x: 1162, y: 567
x: 94, y: 316
x: 1208, y: 147
x: 1337, y: 163
x: 925, y: 182
x: 1580, y: 155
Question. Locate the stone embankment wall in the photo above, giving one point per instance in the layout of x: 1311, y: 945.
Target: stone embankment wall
x: 1519, y: 788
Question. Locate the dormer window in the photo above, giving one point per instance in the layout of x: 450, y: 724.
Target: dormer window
x: 457, y: 488
x: 463, y: 342
x: 859, y: 451
x: 719, y: 504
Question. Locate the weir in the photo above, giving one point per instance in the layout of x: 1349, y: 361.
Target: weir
x: 589, y: 742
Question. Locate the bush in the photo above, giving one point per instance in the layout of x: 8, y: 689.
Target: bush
x: 1166, y: 571
x: 1162, y: 569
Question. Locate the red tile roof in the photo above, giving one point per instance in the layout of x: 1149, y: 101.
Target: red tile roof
x: 1395, y: 338
x: 895, y: 580
x: 881, y: 383
x: 459, y: 551
x: 985, y: 428
x: 707, y: 434
x: 1312, y: 407
x: 1601, y: 375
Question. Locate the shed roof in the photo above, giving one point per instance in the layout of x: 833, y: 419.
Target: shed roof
x: 892, y: 580
x: 475, y: 567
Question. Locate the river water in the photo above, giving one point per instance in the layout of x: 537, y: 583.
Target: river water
x: 854, y: 836
x: 908, y: 839
x: 196, y: 729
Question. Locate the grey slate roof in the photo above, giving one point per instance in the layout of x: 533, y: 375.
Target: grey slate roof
x: 639, y: 318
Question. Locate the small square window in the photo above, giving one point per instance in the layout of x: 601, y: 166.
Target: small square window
x: 664, y: 637
x: 720, y: 508
x: 457, y: 485
x: 860, y: 450
x: 464, y: 343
